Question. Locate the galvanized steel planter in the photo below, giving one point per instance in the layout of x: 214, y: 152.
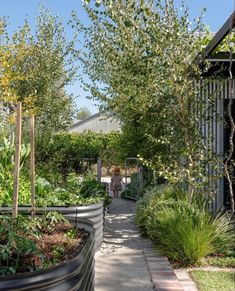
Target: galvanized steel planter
x: 92, y: 212
x: 76, y: 274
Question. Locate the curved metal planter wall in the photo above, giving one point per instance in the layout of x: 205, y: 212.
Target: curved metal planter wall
x: 92, y: 212
x: 76, y: 274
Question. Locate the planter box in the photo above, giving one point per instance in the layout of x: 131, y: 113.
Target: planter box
x: 76, y: 274
x: 75, y: 215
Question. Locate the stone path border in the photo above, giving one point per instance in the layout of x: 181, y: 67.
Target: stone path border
x: 185, y: 280
x: 162, y: 275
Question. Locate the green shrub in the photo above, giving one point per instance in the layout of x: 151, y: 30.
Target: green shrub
x: 14, y: 243
x: 151, y: 198
x: 20, y: 242
x: 73, y: 191
x: 63, y: 152
x: 184, y: 232
x: 6, y: 188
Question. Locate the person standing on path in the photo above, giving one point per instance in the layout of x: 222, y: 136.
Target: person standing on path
x: 116, y: 182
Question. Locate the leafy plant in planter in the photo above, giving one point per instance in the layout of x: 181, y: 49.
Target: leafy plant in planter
x: 27, y: 244
x: 75, y: 191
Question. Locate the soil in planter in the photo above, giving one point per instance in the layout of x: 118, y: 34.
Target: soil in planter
x: 63, y: 244
x: 55, y: 246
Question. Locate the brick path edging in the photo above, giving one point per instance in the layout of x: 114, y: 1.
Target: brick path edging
x: 162, y: 275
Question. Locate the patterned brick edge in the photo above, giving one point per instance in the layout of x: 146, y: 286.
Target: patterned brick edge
x: 160, y: 270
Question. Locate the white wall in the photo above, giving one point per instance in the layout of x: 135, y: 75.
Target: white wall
x: 97, y: 124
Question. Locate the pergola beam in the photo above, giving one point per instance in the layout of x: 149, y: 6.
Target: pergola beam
x: 220, y: 35
x: 221, y: 57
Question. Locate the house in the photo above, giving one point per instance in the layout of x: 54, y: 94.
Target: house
x: 221, y: 67
x: 98, y: 122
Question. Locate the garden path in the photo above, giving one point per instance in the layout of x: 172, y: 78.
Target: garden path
x: 128, y: 262
x: 120, y: 263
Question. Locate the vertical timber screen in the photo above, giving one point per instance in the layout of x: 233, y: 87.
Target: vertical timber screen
x: 213, y: 128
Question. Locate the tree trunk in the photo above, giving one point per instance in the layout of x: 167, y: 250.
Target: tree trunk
x: 230, y: 153
x: 32, y: 164
x: 17, y: 160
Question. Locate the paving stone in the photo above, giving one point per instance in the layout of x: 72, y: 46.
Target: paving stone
x: 168, y: 284
x: 161, y: 268
x: 168, y: 289
x: 168, y: 273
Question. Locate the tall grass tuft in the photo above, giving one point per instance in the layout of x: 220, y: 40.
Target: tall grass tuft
x: 184, y: 232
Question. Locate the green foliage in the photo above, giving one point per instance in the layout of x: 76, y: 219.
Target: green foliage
x: 49, y: 50
x: 59, y: 190
x: 63, y: 152
x: 143, y: 53
x: 151, y: 198
x: 91, y: 187
x: 132, y: 189
x: 182, y: 231
x: 56, y: 56
x: 185, y: 234
x: 18, y: 242
x: 71, y: 233
x: 7, y: 150
x: 83, y: 112
x: 14, y: 244
x: 73, y: 191
x: 213, y: 280
x: 47, y: 222
x: 220, y: 261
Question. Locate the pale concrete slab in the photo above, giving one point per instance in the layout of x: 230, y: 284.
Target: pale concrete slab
x: 121, y: 264
x: 185, y: 280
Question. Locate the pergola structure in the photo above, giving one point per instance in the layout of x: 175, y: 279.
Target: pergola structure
x: 220, y: 60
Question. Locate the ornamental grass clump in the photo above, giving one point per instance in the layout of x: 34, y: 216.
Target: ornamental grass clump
x: 184, y: 232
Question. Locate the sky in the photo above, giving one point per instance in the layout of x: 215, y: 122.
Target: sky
x: 217, y: 12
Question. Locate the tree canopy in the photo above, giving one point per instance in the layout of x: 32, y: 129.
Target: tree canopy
x: 36, y: 67
x: 83, y: 112
x: 140, y: 57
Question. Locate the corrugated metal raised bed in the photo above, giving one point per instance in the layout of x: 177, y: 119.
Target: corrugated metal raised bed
x: 76, y: 274
x: 92, y: 212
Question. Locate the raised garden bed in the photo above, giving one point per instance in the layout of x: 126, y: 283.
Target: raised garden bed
x: 77, y: 216
x: 74, y: 274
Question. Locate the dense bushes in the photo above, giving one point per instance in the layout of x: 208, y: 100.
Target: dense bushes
x: 51, y: 188
x: 63, y: 152
x: 184, y: 232
x: 73, y: 191
x: 151, y: 198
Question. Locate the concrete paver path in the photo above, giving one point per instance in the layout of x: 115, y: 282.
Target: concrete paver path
x: 120, y: 263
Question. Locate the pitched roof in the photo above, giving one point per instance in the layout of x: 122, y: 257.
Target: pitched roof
x: 86, y: 119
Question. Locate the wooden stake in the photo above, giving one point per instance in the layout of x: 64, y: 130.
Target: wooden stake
x: 32, y: 163
x: 17, y: 160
